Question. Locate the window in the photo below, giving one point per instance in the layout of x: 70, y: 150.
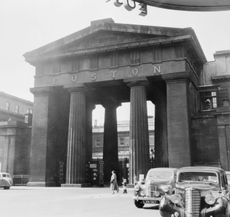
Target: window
x: 122, y: 141
x: 223, y: 97
x: 98, y: 141
x: 7, y: 106
x: 17, y: 109
x: 29, y: 111
x: 208, y: 100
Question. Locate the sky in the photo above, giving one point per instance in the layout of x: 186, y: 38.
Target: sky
x: 28, y: 24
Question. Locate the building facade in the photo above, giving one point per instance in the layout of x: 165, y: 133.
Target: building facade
x: 109, y: 63
x: 123, y: 129
x: 14, y: 108
x: 15, y: 134
x: 211, y: 126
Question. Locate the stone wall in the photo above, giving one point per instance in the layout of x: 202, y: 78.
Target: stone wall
x: 15, y: 148
x: 204, y: 141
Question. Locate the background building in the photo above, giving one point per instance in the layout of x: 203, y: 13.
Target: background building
x: 15, y: 135
x: 123, y: 138
x: 211, y: 125
x: 14, y: 108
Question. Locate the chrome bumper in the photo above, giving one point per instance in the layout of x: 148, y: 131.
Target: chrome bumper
x: 148, y: 199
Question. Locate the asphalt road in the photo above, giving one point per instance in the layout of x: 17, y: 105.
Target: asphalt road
x: 69, y: 202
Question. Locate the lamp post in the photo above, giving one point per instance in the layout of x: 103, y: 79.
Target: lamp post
x: 152, y: 157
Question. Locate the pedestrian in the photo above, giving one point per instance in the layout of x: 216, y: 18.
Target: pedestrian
x: 113, y: 182
x: 124, y: 186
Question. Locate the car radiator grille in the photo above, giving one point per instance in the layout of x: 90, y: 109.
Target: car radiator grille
x: 192, y: 202
x: 151, y: 190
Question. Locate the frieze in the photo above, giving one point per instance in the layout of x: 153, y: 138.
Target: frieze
x: 109, y: 74
x: 119, y: 73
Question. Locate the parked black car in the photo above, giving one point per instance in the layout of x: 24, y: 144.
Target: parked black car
x: 158, y: 181
x: 199, y: 192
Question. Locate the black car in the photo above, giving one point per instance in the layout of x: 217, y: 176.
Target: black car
x: 199, y: 192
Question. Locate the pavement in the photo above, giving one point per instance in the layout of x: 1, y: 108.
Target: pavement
x: 22, y: 201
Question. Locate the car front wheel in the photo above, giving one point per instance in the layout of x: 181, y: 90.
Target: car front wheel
x: 139, y: 203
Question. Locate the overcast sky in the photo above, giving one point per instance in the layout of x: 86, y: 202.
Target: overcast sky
x: 29, y: 24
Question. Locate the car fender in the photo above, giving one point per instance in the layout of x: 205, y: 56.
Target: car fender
x: 5, y: 182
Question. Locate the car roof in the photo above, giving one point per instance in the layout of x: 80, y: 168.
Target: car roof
x: 163, y: 168
x: 200, y: 168
x: 4, y: 173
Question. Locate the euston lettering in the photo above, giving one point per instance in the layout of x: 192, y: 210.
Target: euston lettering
x: 156, y: 69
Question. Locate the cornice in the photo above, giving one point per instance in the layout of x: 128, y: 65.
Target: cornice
x: 221, y: 78
x: 6, y: 95
x: 120, y: 46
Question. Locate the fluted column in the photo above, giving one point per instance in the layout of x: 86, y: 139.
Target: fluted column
x: 89, y: 109
x: 75, y: 171
x: 39, y: 137
x: 178, y: 122
x: 110, y: 148
x: 139, y: 136
x: 161, y: 142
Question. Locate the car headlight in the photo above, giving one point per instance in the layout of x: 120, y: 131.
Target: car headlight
x: 157, y: 194
x: 142, y: 193
x: 162, y: 202
x: 210, y: 199
x: 165, y: 188
x: 137, y: 187
x: 176, y: 199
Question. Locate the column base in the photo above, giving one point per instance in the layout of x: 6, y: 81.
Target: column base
x: 36, y: 184
x: 80, y: 185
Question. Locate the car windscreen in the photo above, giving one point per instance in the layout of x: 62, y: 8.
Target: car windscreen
x: 198, y: 177
x: 228, y: 177
x: 160, y: 175
x: 5, y: 175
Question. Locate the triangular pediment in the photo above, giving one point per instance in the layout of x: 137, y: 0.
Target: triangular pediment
x: 102, y: 39
x: 105, y: 35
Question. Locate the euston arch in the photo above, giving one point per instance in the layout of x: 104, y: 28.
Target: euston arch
x: 109, y: 63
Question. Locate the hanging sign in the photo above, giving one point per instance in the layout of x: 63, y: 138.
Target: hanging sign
x: 190, y: 5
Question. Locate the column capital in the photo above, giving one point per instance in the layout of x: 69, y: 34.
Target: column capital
x: 180, y: 76
x: 176, y: 80
x: 41, y: 90
x: 76, y: 89
x: 110, y: 102
x: 140, y: 81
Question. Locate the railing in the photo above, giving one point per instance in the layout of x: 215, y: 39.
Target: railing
x: 20, y: 180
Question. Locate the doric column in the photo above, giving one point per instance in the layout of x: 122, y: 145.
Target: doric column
x: 110, y: 147
x: 139, y: 161
x: 89, y: 109
x: 161, y: 141
x: 39, y: 138
x: 75, y: 171
x: 178, y: 123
